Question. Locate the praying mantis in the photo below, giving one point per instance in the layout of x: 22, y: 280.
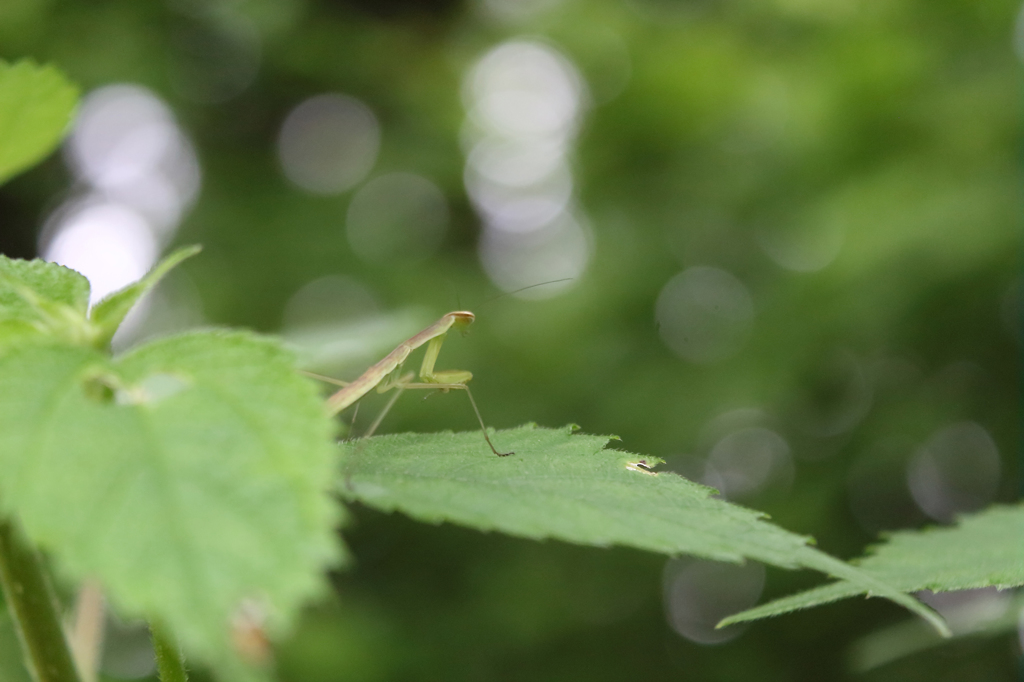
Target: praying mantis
x: 387, y: 374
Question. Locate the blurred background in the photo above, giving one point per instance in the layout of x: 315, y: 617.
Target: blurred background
x: 786, y: 242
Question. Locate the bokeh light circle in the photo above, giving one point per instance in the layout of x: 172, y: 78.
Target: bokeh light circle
x: 525, y: 88
x: 328, y: 143
x: 121, y: 133
x: 955, y: 471
x: 399, y: 216
x: 109, y: 243
x: 806, y: 244
x: 126, y: 145
x: 517, y: 162
x: 698, y: 594
x: 329, y: 300
x: 520, y: 209
x: 704, y: 314
x: 748, y: 460
x: 559, y: 250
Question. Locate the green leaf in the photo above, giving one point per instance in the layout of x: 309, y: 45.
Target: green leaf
x: 12, y: 667
x: 570, y: 487
x: 108, y: 314
x: 982, y: 550
x: 988, y: 615
x: 36, y: 104
x: 190, y: 477
x: 48, y: 280
x: 41, y: 299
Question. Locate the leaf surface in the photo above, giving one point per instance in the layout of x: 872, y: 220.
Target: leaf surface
x: 985, y: 615
x: 40, y: 299
x: 36, y: 104
x: 12, y: 668
x: 108, y: 314
x: 570, y: 487
x: 190, y: 476
x: 983, y: 550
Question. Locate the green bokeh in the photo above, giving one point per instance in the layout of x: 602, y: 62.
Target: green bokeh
x: 718, y: 130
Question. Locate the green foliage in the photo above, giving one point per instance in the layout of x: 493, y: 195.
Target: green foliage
x: 39, y: 299
x: 984, y: 616
x: 982, y: 550
x: 36, y: 103
x: 560, y: 485
x: 189, y: 475
x: 108, y: 314
x: 50, y: 302
x: 11, y: 667
x: 761, y: 138
x: 33, y: 606
x: 570, y: 487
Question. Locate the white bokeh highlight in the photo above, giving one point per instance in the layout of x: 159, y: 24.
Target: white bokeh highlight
x: 127, y: 147
x: 968, y: 611
x: 747, y: 461
x: 1018, y: 49
x: 956, y: 471
x: 559, y: 250
x: 513, y: 207
x: 523, y: 89
x: 136, y: 175
x: 109, y: 243
x: 807, y: 244
x: 328, y: 143
x: 704, y: 314
x: 697, y: 594
x: 524, y: 101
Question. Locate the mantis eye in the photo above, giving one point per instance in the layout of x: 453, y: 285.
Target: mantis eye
x: 462, y: 319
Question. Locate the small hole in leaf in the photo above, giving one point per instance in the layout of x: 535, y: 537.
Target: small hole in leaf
x: 152, y: 389
x: 99, y: 388
x: 248, y: 634
x: 642, y: 467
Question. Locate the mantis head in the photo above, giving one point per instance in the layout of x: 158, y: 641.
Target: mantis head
x: 461, y: 319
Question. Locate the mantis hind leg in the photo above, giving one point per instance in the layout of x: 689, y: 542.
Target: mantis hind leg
x: 326, y: 379
x: 483, y: 429
x: 476, y: 410
x: 336, y: 382
x: 400, y: 385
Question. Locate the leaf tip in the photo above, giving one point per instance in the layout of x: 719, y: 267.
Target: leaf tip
x: 730, y: 620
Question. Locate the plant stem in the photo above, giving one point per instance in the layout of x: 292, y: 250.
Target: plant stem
x: 33, y: 607
x: 86, y: 636
x: 169, y: 661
